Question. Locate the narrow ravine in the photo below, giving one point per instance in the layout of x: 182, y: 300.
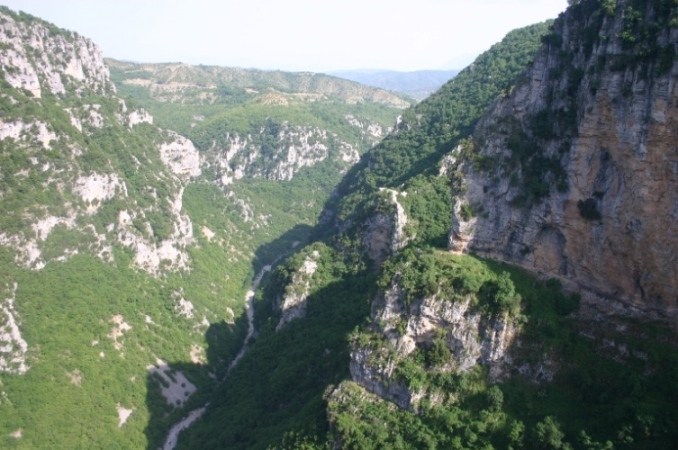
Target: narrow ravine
x: 177, y: 428
x: 249, y: 309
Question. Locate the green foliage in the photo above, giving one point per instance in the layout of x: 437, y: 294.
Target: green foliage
x: 275, y: 394
x: 428, y: 207
x: 435, y: 126
x: 537, y: 170
x: 499, y: 295
x: 66, y: 310
x: 547, y: 434
x: 495, y: 398
x: 600, y: 398
x: 588, y: 209
x: 644, y: 23
x: 423, y: 273
x: 466, y: 212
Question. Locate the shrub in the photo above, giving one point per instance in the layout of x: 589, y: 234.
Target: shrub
x: 588, y: 209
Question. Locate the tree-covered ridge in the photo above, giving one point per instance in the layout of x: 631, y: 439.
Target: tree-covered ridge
x: 431, y: 129
x: 206, y: 93
x: 571, y: 381
x: 411, y: 158
x: 417, y: 84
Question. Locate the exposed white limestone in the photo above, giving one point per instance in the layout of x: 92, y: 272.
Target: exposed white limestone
x: 176, y: 388
x: 119, y: 328
x: 182, y: 306
x: 75, y: 121
x: 375, y: 130
x: 150, y: 255
x: 13, y: 347
x: 353, y: 121
x: 26, y: 251
x: 293, y: 304
x: 96, y: 188
x: 123, y: 414
x: 139, y: 116
x: 33, y: 132
x: 209, y: 234
x: 295, y: 147
x: 96, y: 120
x: 348, y: 153
x: 44, y: 227
x: 17, y: 434
x: 180, y: 155
x: 75, y: 377
x: 197, y: 354
x: 30, y: 52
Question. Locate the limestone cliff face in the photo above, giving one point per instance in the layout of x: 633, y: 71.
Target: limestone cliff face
x: 47, y: 72
x: 384, y: 231
x: 36, y: 56
x: 293, y: 302
x: 596, y: 203
x: 277, y: 154
x: 401, y: 328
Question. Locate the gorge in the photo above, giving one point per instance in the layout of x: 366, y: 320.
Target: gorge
x: 492, y: 267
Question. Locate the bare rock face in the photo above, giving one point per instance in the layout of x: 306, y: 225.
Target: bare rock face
x: 13, y: 347
x: 286, y: 150
x: 180, y: 155
x: 610, y: 226
x: 293, y: 304
x: 31, y: 51
x: 470, y: 337
x: 384, y: 232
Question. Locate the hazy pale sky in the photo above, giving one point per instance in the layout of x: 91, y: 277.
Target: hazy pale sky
x: 296, y: 35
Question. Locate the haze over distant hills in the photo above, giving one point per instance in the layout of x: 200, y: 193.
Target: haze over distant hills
x: 418, y: 84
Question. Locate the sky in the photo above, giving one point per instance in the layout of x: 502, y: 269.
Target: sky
x: 295, y: 35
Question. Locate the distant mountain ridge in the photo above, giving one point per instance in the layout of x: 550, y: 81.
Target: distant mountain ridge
x: 418, y: 84
x: 261, y: 124
x: 163, y: 77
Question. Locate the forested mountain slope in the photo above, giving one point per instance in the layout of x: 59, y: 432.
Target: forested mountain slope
x: 116, y: 265
x: 465, y: 352
x: 126, y: 249
x: 277, y: 391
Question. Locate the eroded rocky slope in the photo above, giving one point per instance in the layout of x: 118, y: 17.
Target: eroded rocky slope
x: 257, y: 124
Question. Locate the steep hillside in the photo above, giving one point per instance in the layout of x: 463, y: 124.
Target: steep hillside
x: 125, y: 260
x: 576, y: 171
x: 319, y: 296
x: 506, y: 160
x: 418, y: 84
x: 488, y: 275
